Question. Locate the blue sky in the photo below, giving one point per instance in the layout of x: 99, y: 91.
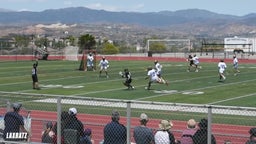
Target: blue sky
x: 233, y: 7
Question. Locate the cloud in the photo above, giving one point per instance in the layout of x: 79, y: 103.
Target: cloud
x: 68, y: 2
x: 99, y: 6
x: 138, y: 7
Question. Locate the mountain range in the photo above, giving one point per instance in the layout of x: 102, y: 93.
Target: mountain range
x: 190, y: 20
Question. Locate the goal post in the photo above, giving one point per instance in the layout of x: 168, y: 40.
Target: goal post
x: 71, y: 53
x: 168, y: 45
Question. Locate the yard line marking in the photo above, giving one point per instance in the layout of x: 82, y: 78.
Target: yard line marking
x: 235, y: 98
x: 198, y: 89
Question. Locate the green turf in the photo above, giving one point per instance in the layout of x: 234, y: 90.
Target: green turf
x: 235, y: 91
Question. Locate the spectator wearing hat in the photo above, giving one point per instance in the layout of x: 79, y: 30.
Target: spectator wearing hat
x: 74, y: 123
x: 200, y: 137
x: 163, y: 135
x: 187, y: 134
x: 14, y: 122
x: 115, y: 132
x: 252, y: 139
x: 142, y: 134
x: 48, y: 134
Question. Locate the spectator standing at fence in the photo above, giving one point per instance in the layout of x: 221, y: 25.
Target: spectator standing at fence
x: 74, y: 123
x: 48, y: 134
x: 14, y: 123
x: 34, y: 76
x: 252, y: 139
x: 235, y: 65
x: 164, y: 135
x: 187, y: 134
x: 142, y: 134
x: 200, y: 137
x: 64, y: 120
x: 87, y: 137
x: 115, y: 132
x: 104, y: 64
x: 222, y: 66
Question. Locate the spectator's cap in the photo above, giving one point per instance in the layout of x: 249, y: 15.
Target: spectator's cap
x: 165, y: 125
x: 49, y: 125
x: 252, y: 131
x: 115, y: 114
x: 16, y: 106
x: 72, y: 111
x: 87, y: 132
x: 191, y: 123
x: 203, y: 123
x: 143, y: 116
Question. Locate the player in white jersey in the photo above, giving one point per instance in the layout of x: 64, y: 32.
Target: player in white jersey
x: 222, y: 66
x: 235, y: 65
x: 196, y: 62
x: 158, y: 68
x: 90, y: 61
x: 153, y: 77
x: 104, y: 64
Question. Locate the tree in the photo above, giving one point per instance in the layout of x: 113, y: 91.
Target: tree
x: 86, y: 42
x: 109, y: 48
x: 21, y: 40
x: 157, y: 47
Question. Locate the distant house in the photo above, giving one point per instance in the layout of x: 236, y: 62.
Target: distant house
x: 240, y: 44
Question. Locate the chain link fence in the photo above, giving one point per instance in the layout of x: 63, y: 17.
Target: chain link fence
x: 225, y: 123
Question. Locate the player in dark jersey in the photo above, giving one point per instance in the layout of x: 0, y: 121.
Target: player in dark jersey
x: 126, y: 74
x: 190, y: 62
x: 34, y: 76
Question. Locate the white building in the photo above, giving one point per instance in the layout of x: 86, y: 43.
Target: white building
x: 237, y: 44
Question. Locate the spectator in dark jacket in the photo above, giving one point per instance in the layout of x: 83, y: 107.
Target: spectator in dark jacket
x: 14, y: 124
x: 252, y: 139
x: 200, y: 137
x: 74, y: 122
x: 114, y: 132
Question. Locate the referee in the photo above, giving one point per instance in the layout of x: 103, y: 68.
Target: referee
x: 34, y: 76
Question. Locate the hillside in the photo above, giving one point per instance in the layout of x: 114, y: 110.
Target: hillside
x: 191, y: 21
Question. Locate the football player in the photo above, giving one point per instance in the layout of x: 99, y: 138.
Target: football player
x: 128, y: 78
x: 153, y: 77
x: 104, y: 64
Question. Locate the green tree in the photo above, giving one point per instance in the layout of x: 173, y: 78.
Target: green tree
x: 86, y: 42
x: 42, y: 42
x: 72, y: 40
x: 109, y: 48
x: 21, y: 40
x: 157, y: 47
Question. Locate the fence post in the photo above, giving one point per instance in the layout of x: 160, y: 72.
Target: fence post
x: 8, y: 108
x: 128, y: 119
x: 59, y: 120
x: 209, y: 125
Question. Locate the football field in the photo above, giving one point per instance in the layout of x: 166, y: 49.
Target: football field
x: 80, y: 89
x: 203, y: 87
